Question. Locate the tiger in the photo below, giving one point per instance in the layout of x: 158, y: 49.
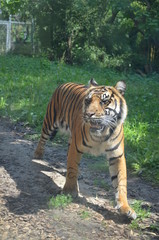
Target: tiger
x: 94, y: 115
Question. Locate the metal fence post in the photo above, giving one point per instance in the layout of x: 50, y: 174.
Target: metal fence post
x: 8, y: 39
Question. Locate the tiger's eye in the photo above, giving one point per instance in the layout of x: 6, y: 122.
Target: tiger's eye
x: 103, y: 102
x: 105, y: 96
x: 87, y: 100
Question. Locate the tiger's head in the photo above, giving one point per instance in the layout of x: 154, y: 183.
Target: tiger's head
x: 104, y: 107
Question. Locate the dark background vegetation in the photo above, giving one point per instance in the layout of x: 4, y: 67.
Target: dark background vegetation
x: 121, y: 34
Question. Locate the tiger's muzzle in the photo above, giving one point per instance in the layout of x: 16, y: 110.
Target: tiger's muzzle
x: 99, y: 124
x: 96, y: 124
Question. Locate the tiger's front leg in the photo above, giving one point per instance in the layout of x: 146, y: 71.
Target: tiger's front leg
x: 118, y: 173
x: 73, y: 160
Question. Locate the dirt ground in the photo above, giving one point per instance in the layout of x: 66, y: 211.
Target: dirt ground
x: 26, y: 186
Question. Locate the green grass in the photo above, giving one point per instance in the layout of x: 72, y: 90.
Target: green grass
x: 141, y: 215
x: 101, y: 183
x: 60, y: 201
x: 154, y: 227
x: 27, y: 84
x: 85, y: 214
x: 99, y: 163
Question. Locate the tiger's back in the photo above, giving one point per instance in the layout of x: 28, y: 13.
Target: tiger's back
x: 67, y: 101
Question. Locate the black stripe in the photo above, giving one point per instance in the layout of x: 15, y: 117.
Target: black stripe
x: 62, y: 94
x: 45, y: 128
x: 75, y: 104
x: 115, y: 147
x: 114, y: 177
x: 78, y: 106
x: 48, y: 115
x: 61, y: 123
x: 65, y: 87
x: 73, y: 101
x: 44, y: 138
x: 113, y: 110
x: 68, y: 147
x: 121, y: 105
x: 56, y: 93
x: 117, y: 134
x: 54, y: 114
x: 114, y: 158
x: 105, y: 138
x: 116, y: 104
x: 65, y: 99
x: 111, y: 160
x: 68, y: 100
x: 84, y: 131
x: 53, y: 134
x: 109, y: 135
x: 83, y: 141
x: 77, y: 147
x: 81, y: 99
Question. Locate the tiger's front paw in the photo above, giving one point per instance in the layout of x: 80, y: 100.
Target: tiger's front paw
x: 126, y: 210
x: 72, y: 190
x: 38, y: 154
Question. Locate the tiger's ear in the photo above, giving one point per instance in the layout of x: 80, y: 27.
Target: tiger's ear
x: 121, y: 87
x: 92, y: 82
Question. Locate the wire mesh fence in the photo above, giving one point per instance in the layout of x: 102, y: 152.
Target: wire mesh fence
x: 16, y: 37
x: 3, y: 38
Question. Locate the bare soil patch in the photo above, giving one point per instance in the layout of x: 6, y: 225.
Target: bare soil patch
x: 26, y: 186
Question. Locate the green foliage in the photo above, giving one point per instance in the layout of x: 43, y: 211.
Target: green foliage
x: 102, y: 183
x: 125, y: 33
x: 154, y: 227
x: 99, y: 166
x: 2, y: 103
x: 141, y: 214
x: 27, y: 84
x: 141, y: 128
x: 60, y: 201
x: 140, y: 211
x: 85, y: 214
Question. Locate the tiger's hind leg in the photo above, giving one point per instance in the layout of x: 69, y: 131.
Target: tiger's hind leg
x: 45, y: 135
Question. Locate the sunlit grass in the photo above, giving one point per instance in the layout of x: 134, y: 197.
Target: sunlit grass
x: 85, y: 214
x: 27, y: 84
x: 60, y: 201
x: 141, y: 215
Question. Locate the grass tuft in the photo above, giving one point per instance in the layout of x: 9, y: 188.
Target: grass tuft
x: 85, y: 215
x: 141, y: 214
x: 60, y: 201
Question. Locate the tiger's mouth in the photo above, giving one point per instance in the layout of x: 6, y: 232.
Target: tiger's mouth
x: 96, y: 125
